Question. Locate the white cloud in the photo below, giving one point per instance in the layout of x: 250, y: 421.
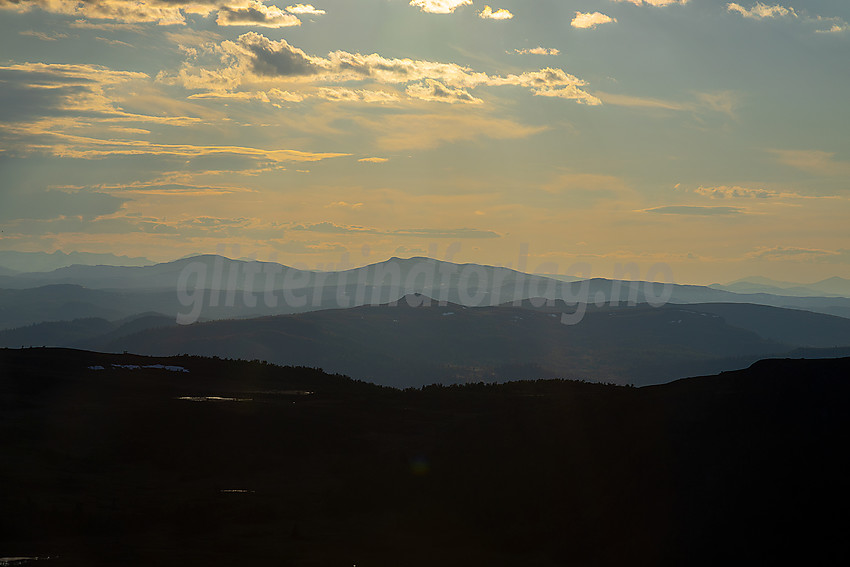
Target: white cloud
x: 695, y: 210
x: 434, y: 91
x: 590, y: 20
x: 488, y: 14
x: 305, y: 9
x: 760, y: 11
x: 440, y: 6
x: 836, y: 25
x: 537, y: 51
x: 735, y: 192
x: 342, y: 94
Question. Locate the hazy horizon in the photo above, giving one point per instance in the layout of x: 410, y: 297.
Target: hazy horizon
x: 352, y: 263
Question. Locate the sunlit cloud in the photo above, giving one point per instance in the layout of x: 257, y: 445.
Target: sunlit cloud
x: 113, y: 41
x: 305, y: 9
x: 488, y: 14
x: 836, y: 25
x: 373, y: 160
x: 44, y: 36
x: 90, y: 148
x: 343, y: 205
x: 800, y: 254
x: 168, y: 188
x: 695, y: 210
x: 590, y: 20
x: 342, y: 94
x: 253, y: 60
x: 537, y: 51
x: 431, y: 90
x: 761, y: 11
x: 165, y: 12
x: 256, y: 14
x: 735, y: 192
x: 440, y: 6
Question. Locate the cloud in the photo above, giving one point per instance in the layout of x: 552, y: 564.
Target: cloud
x: 373, y: 160
x: 342, y: 94
x: 641, y: 102
x: 332, y: 228
x: 257, y: 62
x: 695, y: 210
x: 426, y: 131
x: 36, y: 90
x: 75, y: 111
x: 761, y: 11
x: 274, y: 58
x: 114, y: 42
x: 537, y: 51
x: 163, y: 12
x: 44, y: 204
x: 590, y: 20
x: 724, y: 102
x: 440, y: 233
x: 256, y: 14
x: 407, y: 250
x: 306, y: 9
x: 434, y: 91
x: 735, y: 192
x: 344, y: 205
x: 798, y: 254
x: 440, y: 6
x: 91, y: 148
x: 277, y: 96
x: 488, y: 14
x: 310, y: 247
x: 837, y: 27
x: 813, y: 161
x: 836, y: 24
x: 44, y: 36
x: 169, y: 188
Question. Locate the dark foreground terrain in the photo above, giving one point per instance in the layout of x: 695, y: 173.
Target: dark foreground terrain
x: 297, y: 467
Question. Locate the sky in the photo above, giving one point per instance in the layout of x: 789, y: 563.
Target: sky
x: 705, y: 135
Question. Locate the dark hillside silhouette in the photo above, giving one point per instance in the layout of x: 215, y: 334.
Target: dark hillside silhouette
x: 264, y: 465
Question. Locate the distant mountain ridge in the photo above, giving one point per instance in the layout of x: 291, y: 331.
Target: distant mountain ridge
x: 834, y: 286
x: 44, y: 261
x: 214, y: 287
x: 405, y: 345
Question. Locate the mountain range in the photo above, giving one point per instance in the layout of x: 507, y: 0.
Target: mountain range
x: 415, y: 321
x: 834, y: 286
x: 418, y: 341
x: 214, y: 287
